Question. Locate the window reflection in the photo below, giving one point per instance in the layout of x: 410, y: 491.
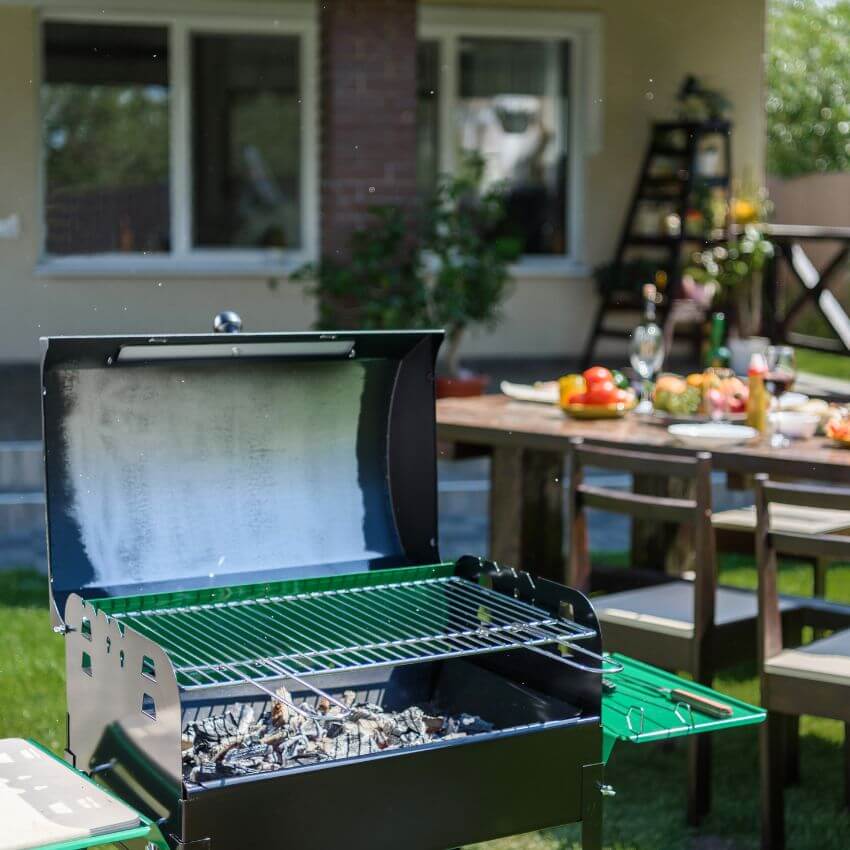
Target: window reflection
x: 246, y: 141
x: 105, y: 114
x: 513, y: 110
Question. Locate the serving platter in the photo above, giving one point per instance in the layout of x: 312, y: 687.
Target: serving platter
x: 598, y: 411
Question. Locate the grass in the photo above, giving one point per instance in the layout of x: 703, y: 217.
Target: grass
x: 648, y: 812
x: 823, y: 363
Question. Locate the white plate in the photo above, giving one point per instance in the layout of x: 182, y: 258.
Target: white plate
x: 546, y: 392
x: 712, y: 435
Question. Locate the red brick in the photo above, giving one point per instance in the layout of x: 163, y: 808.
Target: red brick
x: 368, y: 132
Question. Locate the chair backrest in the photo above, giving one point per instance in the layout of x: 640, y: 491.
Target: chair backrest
x: 769, y: 544
x: 694, y: 510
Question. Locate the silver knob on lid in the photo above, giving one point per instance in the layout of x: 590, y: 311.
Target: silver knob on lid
x: 227, y: 322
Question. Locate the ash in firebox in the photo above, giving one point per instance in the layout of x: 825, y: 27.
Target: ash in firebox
x: 221, y: 745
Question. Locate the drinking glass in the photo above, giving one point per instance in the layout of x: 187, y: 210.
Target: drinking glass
x: 647, y: 353
x: 781, y: 369
x: 781, y: 373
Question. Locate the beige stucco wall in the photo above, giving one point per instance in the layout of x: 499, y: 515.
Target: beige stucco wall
x: 649, y: 45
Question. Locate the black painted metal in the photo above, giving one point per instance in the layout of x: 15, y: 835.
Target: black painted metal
x: 425, y: 800
x: 395, y: 443
x: 539, y: 767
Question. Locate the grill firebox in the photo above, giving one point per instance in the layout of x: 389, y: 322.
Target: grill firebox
x: 466, y: 638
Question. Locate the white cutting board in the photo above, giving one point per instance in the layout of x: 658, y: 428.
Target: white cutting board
x: 44, y: 802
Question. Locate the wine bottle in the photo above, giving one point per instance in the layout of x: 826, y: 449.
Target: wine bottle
x: 719, y: 356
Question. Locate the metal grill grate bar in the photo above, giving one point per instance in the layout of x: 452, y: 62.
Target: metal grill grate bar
x: 345, y: 629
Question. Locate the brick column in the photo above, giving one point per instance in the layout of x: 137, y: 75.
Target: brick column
x: 368, y: 112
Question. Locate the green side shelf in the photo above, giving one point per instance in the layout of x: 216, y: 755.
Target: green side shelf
x: 146, y: 829
x: 639, y: 710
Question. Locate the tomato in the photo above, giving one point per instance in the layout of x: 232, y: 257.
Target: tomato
x: 597, y: 374
x: 578, y: 398
x: 603, y: 392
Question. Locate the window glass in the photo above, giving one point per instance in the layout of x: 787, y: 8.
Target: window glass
x: 427, y: 115
x: 105, y: 115
x: 513, y: 109
x: 246, y: 132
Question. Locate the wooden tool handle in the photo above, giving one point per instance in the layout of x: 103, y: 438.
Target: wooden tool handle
x: 708, y: 706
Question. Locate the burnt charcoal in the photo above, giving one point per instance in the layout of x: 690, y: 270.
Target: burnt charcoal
x: 434, y: 724
x: 281, y: 713
x: 289, y: 736
x: 219, y: 730
x: 469, y: 724
x: 246, y: 759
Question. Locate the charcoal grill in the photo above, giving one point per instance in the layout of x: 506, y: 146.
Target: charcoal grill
x: 229, y: 515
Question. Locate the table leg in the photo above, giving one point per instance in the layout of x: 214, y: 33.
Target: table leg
x: 526, y: 510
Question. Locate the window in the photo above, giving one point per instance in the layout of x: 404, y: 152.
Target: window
x: 519, y: 89
x: 170, y: 141
x: 246, y: 128
x: 105, y: 107
x: 512, y: 109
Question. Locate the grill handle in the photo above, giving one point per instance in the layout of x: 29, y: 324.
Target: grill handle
x: 600, y: 671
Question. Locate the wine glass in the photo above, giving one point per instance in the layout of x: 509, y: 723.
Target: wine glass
x: 781, y: 369
x: 781, y: 372
x: 646, y: 353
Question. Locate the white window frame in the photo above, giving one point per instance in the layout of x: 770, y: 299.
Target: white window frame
x: 183, y: 259
x: 583, y: 30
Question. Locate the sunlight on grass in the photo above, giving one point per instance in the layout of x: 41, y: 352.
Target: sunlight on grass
x: 823, y: 363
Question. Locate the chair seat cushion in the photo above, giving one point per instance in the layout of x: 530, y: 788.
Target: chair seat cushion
x: 793, y: 519
x: 669, y: 608
x: 826, y: 660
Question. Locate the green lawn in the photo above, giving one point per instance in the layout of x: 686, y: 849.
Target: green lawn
x: 648, y: 811
x: 823, y: 363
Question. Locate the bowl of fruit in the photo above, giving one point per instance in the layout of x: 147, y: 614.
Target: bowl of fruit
x: 702, y: 396
x: 598, y: 393
x: 838, y: 429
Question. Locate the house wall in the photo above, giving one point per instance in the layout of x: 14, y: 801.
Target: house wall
x: 648, y: 47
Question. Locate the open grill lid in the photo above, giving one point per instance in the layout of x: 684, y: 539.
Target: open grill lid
x: 183, y: 462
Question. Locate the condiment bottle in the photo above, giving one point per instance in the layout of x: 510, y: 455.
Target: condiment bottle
x: 758, y: 402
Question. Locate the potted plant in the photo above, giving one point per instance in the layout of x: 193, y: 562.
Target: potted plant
x: 381, y: 285
x: 733, y: 273
x: 470, y: 255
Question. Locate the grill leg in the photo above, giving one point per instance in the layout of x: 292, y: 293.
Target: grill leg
x: 591, y: 807
x: 772, y: 746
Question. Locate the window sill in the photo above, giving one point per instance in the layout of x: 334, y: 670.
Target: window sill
x: 541, y: 267
x: 215, y: 266
x: 220, y: 266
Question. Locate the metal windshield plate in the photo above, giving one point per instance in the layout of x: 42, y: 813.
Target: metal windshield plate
x: 201, y: 463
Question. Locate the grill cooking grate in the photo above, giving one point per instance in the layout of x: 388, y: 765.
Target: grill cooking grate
x: 345, y: 629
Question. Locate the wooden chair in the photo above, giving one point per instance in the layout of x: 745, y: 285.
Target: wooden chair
x: 735, y: 531
x: 812, y: 679
x: 690, y: 626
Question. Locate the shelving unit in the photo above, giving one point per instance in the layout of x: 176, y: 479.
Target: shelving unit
x: 676, y: 169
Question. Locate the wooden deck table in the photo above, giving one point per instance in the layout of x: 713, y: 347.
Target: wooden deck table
x: 528, y: 443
